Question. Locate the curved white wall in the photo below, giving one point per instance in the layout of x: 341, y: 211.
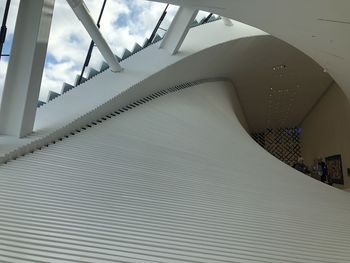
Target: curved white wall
x: 326, y: 129
x: 174, y: 180
x: 145, y: 72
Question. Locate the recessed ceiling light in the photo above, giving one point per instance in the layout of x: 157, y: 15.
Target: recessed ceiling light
x: 279, y: 67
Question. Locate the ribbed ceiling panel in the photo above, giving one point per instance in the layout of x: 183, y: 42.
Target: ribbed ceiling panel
x: 173, y: 180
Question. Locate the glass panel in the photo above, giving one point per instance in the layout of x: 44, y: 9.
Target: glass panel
x: 11, y: 20
x: 124, y: 23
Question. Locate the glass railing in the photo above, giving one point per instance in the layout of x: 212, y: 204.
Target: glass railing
x: 58, y: 68
x: 92, y: 61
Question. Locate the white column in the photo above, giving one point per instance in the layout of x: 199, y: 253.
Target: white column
x: 178, y: 29
x: 84, y: 16
x: 25, y: 68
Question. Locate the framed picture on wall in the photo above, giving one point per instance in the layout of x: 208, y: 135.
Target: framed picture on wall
x: 335, y: 170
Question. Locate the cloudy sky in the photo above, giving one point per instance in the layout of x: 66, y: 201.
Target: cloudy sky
x: 124, y: 23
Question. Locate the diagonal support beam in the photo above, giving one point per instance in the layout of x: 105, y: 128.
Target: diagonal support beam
x: 25, y: 68
x: 84, y: 16
x: 178, y: 29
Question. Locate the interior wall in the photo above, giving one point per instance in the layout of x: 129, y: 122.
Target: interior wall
x: 326, y: 130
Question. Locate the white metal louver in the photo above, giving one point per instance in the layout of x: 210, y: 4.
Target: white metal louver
x: 176, y: 179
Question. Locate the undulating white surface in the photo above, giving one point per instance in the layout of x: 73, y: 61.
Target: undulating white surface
x: 176, y: 179
x: 58, y: 115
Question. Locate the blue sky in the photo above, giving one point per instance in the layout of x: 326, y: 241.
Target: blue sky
x: 7, y: 44
x: 124, y: 23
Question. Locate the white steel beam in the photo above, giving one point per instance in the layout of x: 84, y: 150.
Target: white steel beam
x: 84, y: 16
x: 25, y: 68
x: 178, y: 29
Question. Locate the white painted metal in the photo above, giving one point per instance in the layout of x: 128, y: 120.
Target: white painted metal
x: 173, y: 180
x: 23, y: 79
x: 84, y: 16
x: 178, y: 29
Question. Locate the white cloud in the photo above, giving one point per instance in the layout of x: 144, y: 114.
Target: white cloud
x: 3, y: 68
x: 11, y: 19
x: 69, y: 41
x: 10, y: 28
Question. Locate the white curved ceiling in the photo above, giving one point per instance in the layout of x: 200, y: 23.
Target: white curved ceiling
x: 277, y: 84
x: 320, y: 28
x: 270, y: 98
